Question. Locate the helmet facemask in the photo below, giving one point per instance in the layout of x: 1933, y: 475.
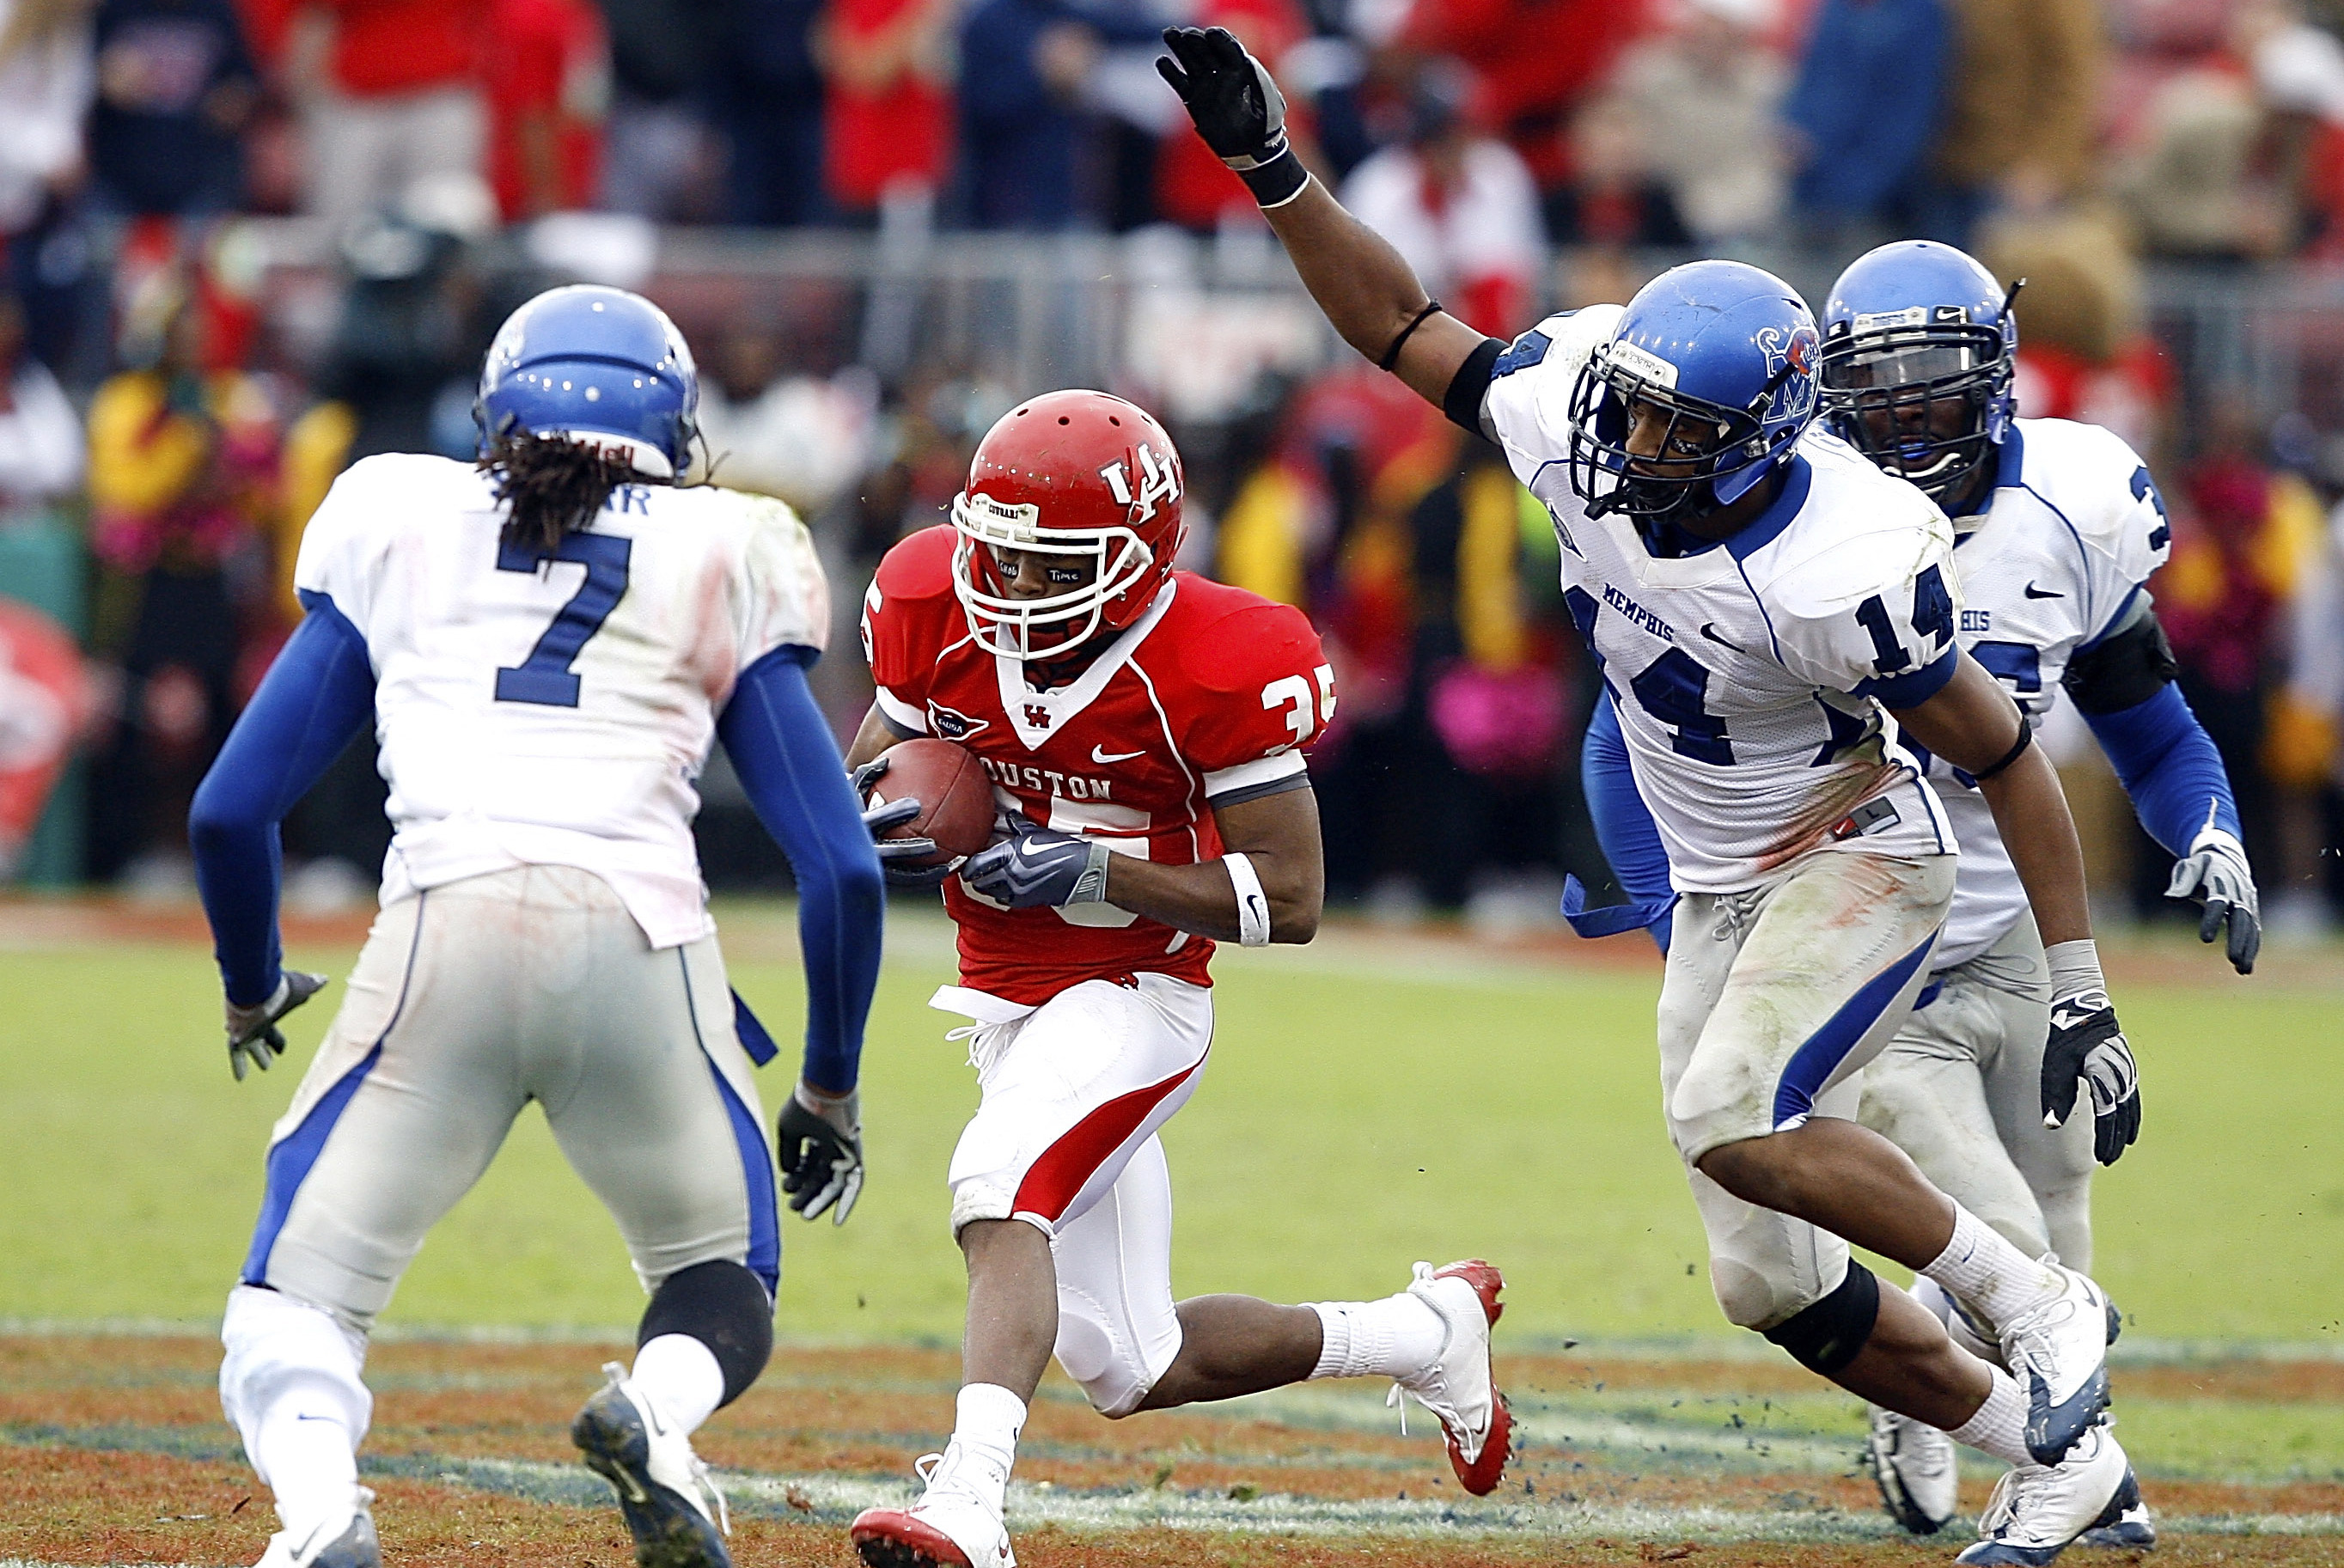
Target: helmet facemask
x: 1704, y: 447
x: 1926, y: 403
x: 1055, y: 625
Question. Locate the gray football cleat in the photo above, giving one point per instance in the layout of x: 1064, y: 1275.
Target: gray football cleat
x: 672, y: 1506
x: 2058, y: 1352
x: 2037, y: 1511
x: 1912, y: 1464
x: 342, y: 1540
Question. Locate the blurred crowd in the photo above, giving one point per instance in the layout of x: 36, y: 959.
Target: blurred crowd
x: 170, y: 415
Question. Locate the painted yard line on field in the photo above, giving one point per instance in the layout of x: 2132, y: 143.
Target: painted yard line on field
x: 2133, y: 1351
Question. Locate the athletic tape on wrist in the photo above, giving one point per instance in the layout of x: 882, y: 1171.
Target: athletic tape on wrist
x: 1253, y: 907
x: 1277, y: 182
x: 2075, y: 967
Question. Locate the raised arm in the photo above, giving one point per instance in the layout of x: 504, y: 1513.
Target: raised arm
x: 1366, y: 290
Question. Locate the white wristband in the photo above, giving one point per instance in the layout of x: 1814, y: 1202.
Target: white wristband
x: 1252, y: 908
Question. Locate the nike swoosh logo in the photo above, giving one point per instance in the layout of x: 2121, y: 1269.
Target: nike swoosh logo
x: 2035, y: 593
x: 1709, y: 630
x: 1102, y: 756
x: 1023, y: 872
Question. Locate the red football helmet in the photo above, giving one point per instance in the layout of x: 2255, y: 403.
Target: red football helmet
x: 1077, y: 474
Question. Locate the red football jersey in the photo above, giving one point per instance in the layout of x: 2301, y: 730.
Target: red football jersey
x: 1211, y: 696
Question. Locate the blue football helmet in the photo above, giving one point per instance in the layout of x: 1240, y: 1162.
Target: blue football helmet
x: 1728, y: 353
x: 585, y: 360
x: 1919, y: 348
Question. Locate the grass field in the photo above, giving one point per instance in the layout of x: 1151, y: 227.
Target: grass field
x: 1372, y: 1100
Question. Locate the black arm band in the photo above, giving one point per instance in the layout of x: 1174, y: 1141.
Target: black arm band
x: 1277, y: 182
x: 1462, y: 402
x: 1392, y: 355
x: 2123, y: 670
x: 2017, y: 748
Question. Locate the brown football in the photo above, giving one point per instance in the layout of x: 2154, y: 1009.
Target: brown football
x: 956, y: 798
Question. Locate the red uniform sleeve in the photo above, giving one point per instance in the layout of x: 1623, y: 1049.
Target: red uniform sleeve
x: 902, y: 611
x: 1264, y: 693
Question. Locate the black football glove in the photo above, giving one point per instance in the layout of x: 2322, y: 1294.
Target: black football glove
x: 895, y: 854
x: 253, y: 1037
x: 1038, y: 868
x: 2215, y: 872
x: 1237, y: 107
x: 2087, y: 1047
x: 819, y: 1143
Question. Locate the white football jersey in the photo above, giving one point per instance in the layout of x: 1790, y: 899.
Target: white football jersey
x: 2074, y: 528
x: 556, y: 712
x: 1742, y: 675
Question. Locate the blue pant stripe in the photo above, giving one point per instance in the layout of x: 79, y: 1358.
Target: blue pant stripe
x: 291, y: 1159
x: 289, y: 1163
x: 765, y: 1258
x: 1812, y: 1064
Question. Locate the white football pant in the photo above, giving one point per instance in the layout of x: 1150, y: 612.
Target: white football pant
x: 1773, y: 1000
x: 1065, y: 1140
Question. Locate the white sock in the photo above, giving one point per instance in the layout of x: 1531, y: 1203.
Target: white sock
x: 290, y: 1382
x: 311, y: 1463
x: 1396, y: 1337
x: 1946, y: 1311
x: 1987, y: 1275
x: 1999, y: 1427
x: 986, y: 1419
x: 682, y: 1377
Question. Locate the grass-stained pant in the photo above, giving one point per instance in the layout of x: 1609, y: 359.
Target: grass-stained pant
x: 469, y: 1001
x: 1775, y: 999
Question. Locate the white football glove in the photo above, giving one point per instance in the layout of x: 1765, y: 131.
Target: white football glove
x: 253, y: 1036
x: 820, y: 1145
x: 2215, y: 872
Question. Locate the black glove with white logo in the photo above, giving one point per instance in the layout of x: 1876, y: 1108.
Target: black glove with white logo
x: 819, y: 1144
x: 2087, y: 1049
x: 1037, y: 868
x: 253, y: 1036
x: 895, y: 854
x: 1237, y: 107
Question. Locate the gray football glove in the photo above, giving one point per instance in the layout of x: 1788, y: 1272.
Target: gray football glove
x: 2215, y: 872
x: 896, y: 854
x: 253, y: 1037
x: 1038, y: 868
x: 2087, y: 1047
x: 818, y: 1142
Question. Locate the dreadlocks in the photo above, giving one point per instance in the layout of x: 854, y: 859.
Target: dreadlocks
x: 551, y: 485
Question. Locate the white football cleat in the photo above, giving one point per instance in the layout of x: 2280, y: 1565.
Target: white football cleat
x: 341, y: 1539
x: 955, y: 1523
x: 1912, y: 1464
x: 671, y: 1505
x: 2058, y: 1352
x: 1459, y: 1387
x: 2039, y: 1509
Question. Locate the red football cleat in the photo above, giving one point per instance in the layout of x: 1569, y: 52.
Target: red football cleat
x: 1460, y: 1387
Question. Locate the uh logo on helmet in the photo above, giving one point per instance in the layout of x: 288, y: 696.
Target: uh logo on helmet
x: 1092, y: 484
x: 597, y: 365
x: 1725, y: 356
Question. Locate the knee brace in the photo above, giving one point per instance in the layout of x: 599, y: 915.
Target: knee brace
x: 726, y: 1307
x: 1825, y: 1336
